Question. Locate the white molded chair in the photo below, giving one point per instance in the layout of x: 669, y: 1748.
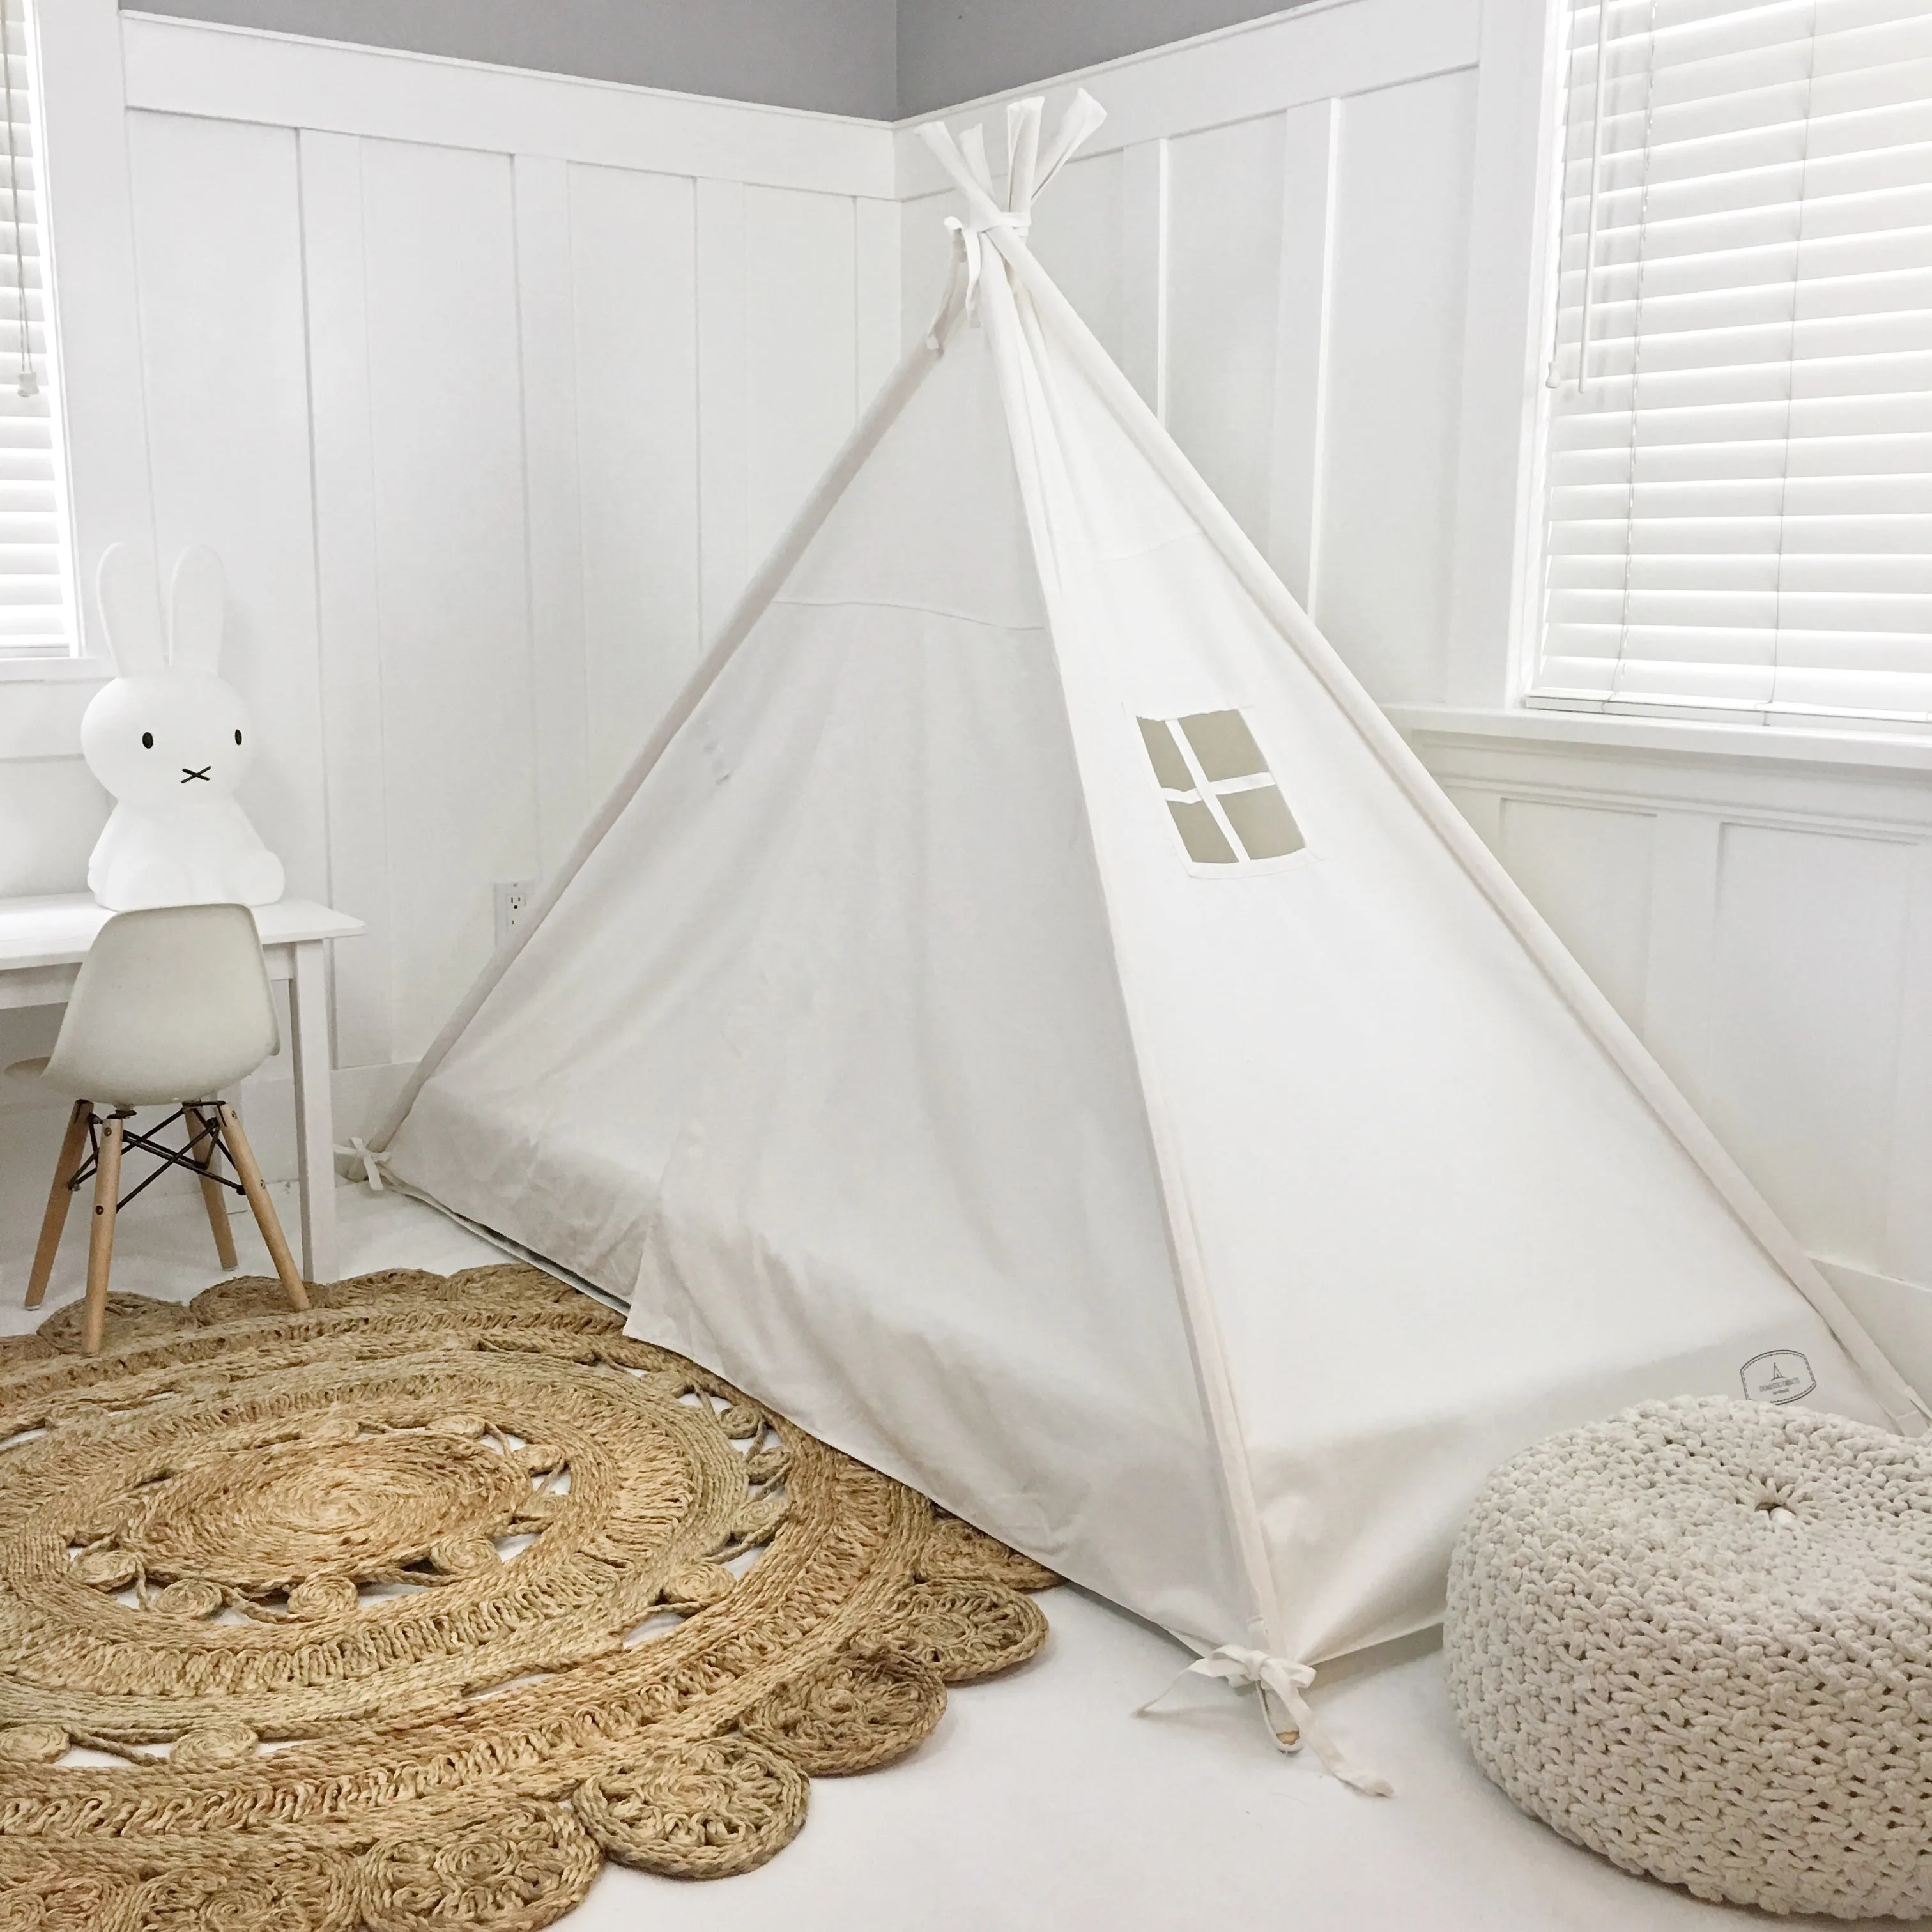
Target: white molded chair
x: 171, y: 1005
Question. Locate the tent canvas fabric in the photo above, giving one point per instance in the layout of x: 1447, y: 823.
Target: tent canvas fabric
x: 1027, y: 1017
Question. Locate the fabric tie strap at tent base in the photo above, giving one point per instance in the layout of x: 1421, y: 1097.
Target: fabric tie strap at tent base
x: 1276, y: 1677
x: 368, y: 1161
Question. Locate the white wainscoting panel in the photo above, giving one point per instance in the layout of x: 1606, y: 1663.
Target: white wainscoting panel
x: 631, y: 276
x: 446, y: 452
x: 217, y: 208
x: 347, y: 596
x: 801, y: 384
x: 1224, y: 271
x: 1078, y: 232
x: 1908, y: 1207
x: 723, y: 400
x: 548, y: 302
x: 1393, y: 404
x: 925, y: 255
x: 1765, y: 924
x: 1587, y: 869
x: 875, y: 293
x: 1806, y: 1000
x: 1145, y: 231
x: 1311, y: 166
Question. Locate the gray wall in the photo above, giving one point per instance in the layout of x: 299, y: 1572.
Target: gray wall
x: 954, y: 50
x: 836, y: 56
x: 877, y: 57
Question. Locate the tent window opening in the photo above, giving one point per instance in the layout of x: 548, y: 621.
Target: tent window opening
x: 1221, y: 796
x: 1738, y: 422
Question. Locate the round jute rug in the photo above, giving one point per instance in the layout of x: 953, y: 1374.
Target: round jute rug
x: 406, y: 1612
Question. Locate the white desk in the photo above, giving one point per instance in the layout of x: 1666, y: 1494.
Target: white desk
x: 43, y: 941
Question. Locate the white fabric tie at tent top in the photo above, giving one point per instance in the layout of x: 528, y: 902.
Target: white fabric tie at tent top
x: 1028, y: 1017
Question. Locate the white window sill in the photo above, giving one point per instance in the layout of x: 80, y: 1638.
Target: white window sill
x: 55, y: 670
x: 1875, y: 750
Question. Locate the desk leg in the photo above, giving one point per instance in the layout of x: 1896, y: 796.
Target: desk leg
x: 315, y: 1120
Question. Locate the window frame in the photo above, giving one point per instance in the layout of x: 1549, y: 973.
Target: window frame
x: 1523, y: 652
x: 52, y: 369
x: 100, y: 410
x: 1525, y: 649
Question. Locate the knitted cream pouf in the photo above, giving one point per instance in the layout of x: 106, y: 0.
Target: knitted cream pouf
x: 1697, y: 1638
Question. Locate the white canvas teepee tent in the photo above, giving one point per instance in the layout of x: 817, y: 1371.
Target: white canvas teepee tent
x: 1027, y: 1017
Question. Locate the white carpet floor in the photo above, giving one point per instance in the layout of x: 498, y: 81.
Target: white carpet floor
x: 1043, y: 1804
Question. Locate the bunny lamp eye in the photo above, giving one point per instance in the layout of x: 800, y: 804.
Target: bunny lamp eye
x: 147, y: 741
x: 238, y: 737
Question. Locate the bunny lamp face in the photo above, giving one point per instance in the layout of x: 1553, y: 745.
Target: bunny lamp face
x: 167, y: 737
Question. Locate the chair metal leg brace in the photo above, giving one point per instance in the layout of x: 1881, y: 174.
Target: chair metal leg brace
x: 202, y: 1167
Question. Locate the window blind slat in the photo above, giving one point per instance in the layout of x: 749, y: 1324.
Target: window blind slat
x: 1872, y: 581
x: 1886, y: 194
x: 1845, y: 400
x: 1738, y: 489
x: 36, y: 600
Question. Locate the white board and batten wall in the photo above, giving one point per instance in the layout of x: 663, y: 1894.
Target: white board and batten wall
x: 492, y: 387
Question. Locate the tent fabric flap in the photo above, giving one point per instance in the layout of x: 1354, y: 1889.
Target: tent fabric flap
x: 819, y: 1062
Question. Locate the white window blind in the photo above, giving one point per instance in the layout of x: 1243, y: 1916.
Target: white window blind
x: 36, y: 599
x: 1738, y: 452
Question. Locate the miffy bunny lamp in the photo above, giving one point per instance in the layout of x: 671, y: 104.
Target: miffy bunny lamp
x: 170, y: 741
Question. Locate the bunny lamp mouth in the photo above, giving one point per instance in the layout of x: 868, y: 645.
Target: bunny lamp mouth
x: 187, y: 774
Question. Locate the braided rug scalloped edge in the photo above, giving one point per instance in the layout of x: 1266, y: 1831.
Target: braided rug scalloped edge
x: 404, y: 1613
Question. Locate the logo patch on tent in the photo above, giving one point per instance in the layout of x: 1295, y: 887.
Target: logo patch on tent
x: 1223, y: 799
x: 1779, y: 1375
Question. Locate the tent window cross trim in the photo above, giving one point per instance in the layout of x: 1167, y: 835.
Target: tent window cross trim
x: 1225, y: 801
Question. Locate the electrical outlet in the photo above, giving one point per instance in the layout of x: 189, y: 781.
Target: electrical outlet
x: 514, y: 899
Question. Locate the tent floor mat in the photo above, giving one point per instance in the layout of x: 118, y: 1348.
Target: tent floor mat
x: 408, y: 1611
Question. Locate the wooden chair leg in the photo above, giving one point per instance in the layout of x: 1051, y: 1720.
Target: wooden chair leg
x: 213, y: 1196
x: 100, y: 1241
x: 250, y: 1176
x: 73, y: 1151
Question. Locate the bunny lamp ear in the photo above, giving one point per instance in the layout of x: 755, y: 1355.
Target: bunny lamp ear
x: 200, y: 598
x: 130, y: 611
